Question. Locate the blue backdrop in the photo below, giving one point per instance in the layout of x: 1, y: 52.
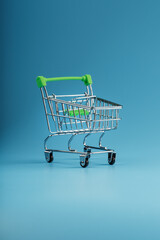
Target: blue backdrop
x: 117, y: 42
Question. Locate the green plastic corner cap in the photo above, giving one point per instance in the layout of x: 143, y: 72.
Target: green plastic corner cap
x: 41, y: 81
x: 87, y: 79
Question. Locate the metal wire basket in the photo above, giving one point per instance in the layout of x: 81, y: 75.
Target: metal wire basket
x: 77, y: 114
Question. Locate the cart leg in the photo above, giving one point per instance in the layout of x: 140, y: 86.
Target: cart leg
x: 84, y: 141
x: 69, y: 143
x: 100, y: 147
x: 100, y: 140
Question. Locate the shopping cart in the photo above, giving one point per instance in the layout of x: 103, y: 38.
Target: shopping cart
x: 78, y: 114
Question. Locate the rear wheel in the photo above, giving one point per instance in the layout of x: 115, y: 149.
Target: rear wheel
x: 49, y: 156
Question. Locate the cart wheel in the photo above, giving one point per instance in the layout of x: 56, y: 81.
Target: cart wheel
x: 49, y: 156
x: 84, y: 161
x: 111, y: 158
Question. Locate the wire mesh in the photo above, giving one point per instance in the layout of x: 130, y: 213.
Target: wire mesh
x: 83, y: 113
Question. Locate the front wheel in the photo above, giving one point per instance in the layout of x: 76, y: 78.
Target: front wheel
x: 84, y: 161
x: 111, y: 158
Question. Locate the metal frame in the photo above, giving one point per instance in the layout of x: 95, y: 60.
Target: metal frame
x: 79, y: 114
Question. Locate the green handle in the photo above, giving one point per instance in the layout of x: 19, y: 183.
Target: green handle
x: 41, y: 81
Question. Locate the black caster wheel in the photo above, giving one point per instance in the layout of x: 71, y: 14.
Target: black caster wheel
x: 49, y: 156
x: 84, y: 161
x: 111, y: 158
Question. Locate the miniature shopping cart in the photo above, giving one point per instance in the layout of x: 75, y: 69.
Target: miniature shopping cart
x: 78, y: 114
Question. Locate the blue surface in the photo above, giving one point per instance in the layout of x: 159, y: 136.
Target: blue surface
x: 64, y: 201
x: 117, y: 42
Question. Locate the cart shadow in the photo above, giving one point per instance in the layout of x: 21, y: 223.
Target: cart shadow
x: 108, y: 165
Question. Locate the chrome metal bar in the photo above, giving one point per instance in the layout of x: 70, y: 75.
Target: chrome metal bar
x: 87, y: 90
x: 69, y: 117
x: 116, y: 117
x: 65, y: 151
x: 85, y: 97
x: 73, y: 95
x: 79, y: 101
x: 81, y: 131
x: 117, y: 113
x: 70, y: 103
x: 100, y: 115
x: 103, y: 151
x: 80, y: 118
x: 69, y: 142
x: 103, y: 114
x: 91, y: 90
x: 83, y: 121
x: 108, y: 118
x: 45, y: 109
x: 95, y: 111
x: 112, y: 118
x: 50, y: 107
x: 86, y: 119
x: 58, y: 116
x: 74, y: 117
x: 100, y: 140
x: 93, y: 147
x: 64, y: 114
x: 84, y: 140
x: 103, y: 120
x: 106, y: 101
x: 108, y: 108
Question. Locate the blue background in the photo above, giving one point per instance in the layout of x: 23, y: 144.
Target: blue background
x: 117, y: 42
